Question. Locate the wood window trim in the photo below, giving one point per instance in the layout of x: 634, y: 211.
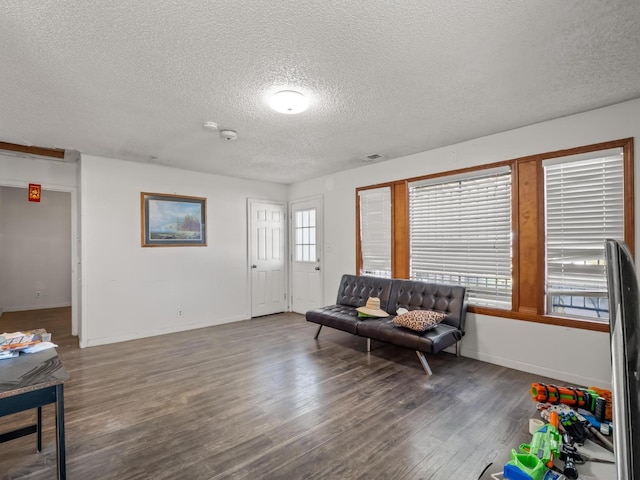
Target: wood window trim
x: 358, y: 239
x: 536, y: 318
x: 528, y: 224
x: 41, y: 151
x: 629, y: 225
x: 400, y: 223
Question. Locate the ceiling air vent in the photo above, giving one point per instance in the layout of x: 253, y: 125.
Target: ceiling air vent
x: 372, y: 157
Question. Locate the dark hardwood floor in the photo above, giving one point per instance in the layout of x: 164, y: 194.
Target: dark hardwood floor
x: 261, y: 399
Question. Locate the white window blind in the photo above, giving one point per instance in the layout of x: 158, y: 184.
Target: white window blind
x: 375, y: 231
x: 584, y: 204
x: 460, y: 229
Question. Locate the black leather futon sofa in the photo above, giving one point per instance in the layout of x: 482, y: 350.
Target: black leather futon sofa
x: 354, y: 291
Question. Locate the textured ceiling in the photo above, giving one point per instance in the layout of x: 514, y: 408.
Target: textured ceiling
x: 137, y: 79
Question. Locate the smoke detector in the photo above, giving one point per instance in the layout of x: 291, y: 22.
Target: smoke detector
x: 229, y: 134
x: 211, y: 125
x: 372, y: 157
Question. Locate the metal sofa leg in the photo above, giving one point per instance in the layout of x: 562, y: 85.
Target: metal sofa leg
x: 458, y: 348
x: 318, y: 332
x: 368, y: 344
x: 425, y: 364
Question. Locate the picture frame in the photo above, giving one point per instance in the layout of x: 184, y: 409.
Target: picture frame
x: 173, y: 220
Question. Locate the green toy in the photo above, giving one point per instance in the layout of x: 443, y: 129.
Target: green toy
x: 536, y: 458
x: 524, y: 466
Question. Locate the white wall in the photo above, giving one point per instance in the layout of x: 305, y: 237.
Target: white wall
x: 129, y: 291
x: 18, y: 171
x: 568, y: 354
x: 35, y: 254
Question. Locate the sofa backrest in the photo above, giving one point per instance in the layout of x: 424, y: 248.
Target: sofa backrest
x: 417, y: 295
x: 355, y: 290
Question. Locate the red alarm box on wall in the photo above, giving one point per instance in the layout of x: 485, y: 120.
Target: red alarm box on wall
x: 35, y: 192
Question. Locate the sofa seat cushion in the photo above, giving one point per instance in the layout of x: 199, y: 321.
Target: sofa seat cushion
x: 431, y: 341
x: 342, y: 317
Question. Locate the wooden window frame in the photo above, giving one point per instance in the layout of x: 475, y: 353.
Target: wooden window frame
x: 528, y: 227
x: 399, y: 223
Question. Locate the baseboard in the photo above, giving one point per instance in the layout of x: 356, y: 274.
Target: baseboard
x: 1, y: 311
x: 536, y: 369
x: 94, y: 342
x: 37, y: 307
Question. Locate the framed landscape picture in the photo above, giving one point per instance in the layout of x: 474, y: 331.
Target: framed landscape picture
x: 173, y: 220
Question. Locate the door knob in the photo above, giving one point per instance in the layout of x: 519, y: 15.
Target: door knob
x: 254, y: 266
x: 318, y: 268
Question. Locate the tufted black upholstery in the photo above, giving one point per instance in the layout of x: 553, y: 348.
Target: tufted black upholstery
x: 353, y: 292
x: 431, y: 341
x: 341, y: 317
x: 416, y: 295
x: 395, y: 293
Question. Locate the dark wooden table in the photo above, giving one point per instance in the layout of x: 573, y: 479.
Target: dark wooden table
x: 31, y: 381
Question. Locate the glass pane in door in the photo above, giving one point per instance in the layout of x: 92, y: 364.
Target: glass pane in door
x: 305, y: 247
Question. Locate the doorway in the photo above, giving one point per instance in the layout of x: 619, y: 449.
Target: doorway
x: 306, y: 254
x: 36, y: 258
x: 40, y: 292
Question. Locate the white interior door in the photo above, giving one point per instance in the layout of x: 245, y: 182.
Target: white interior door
x: 306, y: 255
x: 267, y: 227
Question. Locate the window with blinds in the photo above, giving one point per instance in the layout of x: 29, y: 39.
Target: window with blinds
x: 375, y: 231
x: 460, y: 233
x: 584, y: 205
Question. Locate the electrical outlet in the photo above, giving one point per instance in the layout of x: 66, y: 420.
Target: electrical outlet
x: 180, y: 312
x: 38, y: 293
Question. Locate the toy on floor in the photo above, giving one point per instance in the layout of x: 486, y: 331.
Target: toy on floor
x: 595, y: 400
x: 534, y: 460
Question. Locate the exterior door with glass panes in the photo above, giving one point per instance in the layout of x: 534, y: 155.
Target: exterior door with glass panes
x: 306, y: 255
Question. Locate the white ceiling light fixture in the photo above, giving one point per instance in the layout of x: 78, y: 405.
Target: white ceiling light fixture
x: 289, y: 102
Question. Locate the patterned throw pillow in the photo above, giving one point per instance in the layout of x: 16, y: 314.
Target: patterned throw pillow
x: 420, y: 320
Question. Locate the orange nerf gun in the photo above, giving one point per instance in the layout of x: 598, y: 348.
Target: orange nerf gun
x: 574, y: 397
